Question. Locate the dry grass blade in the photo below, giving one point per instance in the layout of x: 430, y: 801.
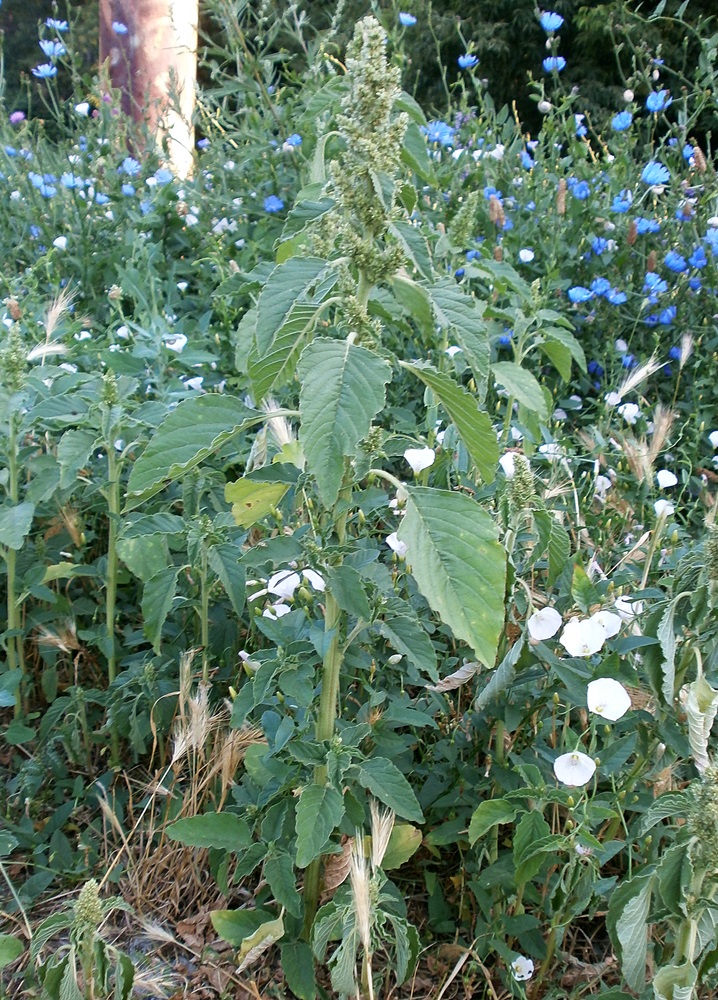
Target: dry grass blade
x: 639, y: 375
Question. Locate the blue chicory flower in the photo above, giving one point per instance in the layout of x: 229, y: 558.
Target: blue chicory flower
x: 655, y: 173
x: 594, y: 368
x: 581, y: 190
x: 644, y: 226
x: 550, y: 21
x: 599, y: 245
x: 694, y: 284
x: 667, y: 315
x: 698, y: 258
x: 164, y: 176
x: 438, y: 131
x: 44, y: 71
x: 119, y: 28
x: 203, y: 144
x: 628, y: 361
x: 580, y: 294
x: 621, y: 121
x: 622, y: 202
x: 675, y: 353
x: 273, y: 204
x: 468, y: 61
x: 654, y: 284
x: 52, y: 48
x: 554, y: 64
x: 675, y: 262
x: 527, y: 161
x: 293, y: 140
x: 658, y: 100
x: 407, y: 20
x: 130, y: 166
x: 615, y: 297
x: 688, y: 152
x: 56, y: 25
x: 128, y: 190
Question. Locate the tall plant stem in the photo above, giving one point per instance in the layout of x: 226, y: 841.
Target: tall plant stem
x: 113, y: 509
x: 328, y: 709
x: 15, y: 651
x: 204, y: 617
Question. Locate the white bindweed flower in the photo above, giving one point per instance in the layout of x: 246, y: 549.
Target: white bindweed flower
x: 713, y: 438
x: 627, y: 608
x: 419, y: 458
x: 283, y: 584
x: 665, y: 479
x: 194, y: 383
x: 397, y: 546
x: 276, y: 611
x: 574, y: 769
x: 583, y: 638
x: 314, y: 579
x: 175, y: 342
x: 608, y: 698
x: 612, y: 398
x: 610, y: 623
x: 544, y: 107
x: 552, y: 451
x: 601, y: 486
x: 621, y: 345
x: 628, y: 96
x: 508, y: 464
x: 452, y: 350
x: 526, y: 255
x: 544, y: 624
x: 83, y: 108
x: 522, y: 968
x: 630, y: 412
x: 60, y: 242
x: 663, y: 508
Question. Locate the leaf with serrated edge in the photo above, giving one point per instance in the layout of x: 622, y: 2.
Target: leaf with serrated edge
x: 252, y: 500
x: 522, y: 385
x: 319, y: 812
x: 386, y: 782
x: 473, y: 424
x: 343, y: 388
x: 224, y: 831
x: 193, y: 431
x: 458, y: 564
x: 157, y: 598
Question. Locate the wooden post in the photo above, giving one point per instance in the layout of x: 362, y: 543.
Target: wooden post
x: 149, y: 50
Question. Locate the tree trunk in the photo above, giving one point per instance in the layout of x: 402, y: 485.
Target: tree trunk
x: 153, y: 63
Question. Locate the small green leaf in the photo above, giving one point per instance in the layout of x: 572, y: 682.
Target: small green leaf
x: 501, y: 678
x: 343, y: 388
x: 416, y: 156
x: 473, y: 424
x: 73, y: 452
x: 298, y: 967
x: 18, y: 733
x: 386, y: 783
x: 139, y: 526
x: 458, y: 564
x: 522, y: 385
x: 252, y: 500
x: 319, y: 812
x: 404, y: 842
x: 490, y: 813
x: 224, y: 561
x: 236, y: 926
x: 414, y: 246
x: 11, y: 948
x: 224, y: 831
x: 345, y: 583
x: 143, y: 556
x: 192, y: 432
x: 15, y: 524
x: 531, y: 830
x: 157, y: 597
x: 406, y: 636
x: 279, y: 872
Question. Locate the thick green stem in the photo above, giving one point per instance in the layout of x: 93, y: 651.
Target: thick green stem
x: 328, y: 709
x: 113, y: 510
x: 204, y: 618
x: 15, y: 651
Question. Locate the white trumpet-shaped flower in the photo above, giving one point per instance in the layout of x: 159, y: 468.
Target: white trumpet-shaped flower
x: 608, y: 698
x: 544, y: 623
x: 609, y: 622
x: 583, y: 638
x: 419, y: 458
x: 574, y: 769
x: 522, y: 968
x: 665, y: 479
x: 395, y: 545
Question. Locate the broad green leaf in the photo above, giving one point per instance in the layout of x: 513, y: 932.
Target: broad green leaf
x: 319, y: 812
x: 675, y: 982
x: 138, y: 526
x: 553, y: 539
x: 521, y: 385
x: 414, y: 246
x: 559, y: 356
x: 347, y: 587
x: 458, y: 312
x: 67, y: 571
x: 406, y: 636
x: 666, y: 634
x: 414, y: 298
x: 73, y: 451
x: 235, y: 926
x: 627, y: 923
x: 224, y: 561
x: 458, y: 564
x: 675, y: 872
x: 501, y: 678
x: 287, y: 311
x: 302, y: 214
x: 279, y: 872
x: 298, y: 967
x: 386, y: 783
x: 144, y: 556
x: 667, y: 806
x: 18, y: 733
x: 252, y: 500
x: 404, y: 842
x: 416, y: 156
x: 473, y: 424
x: 567, y: 340
x: 488, y: 814
x: 15, y: 524
x: 531, y: 830
x: 193, y: 431
x: 224, y: 831
x: 11, y: 948
x: 124, y: 977
x: 343, y: 388
x: 157, y: 597
x: 9, y: 684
